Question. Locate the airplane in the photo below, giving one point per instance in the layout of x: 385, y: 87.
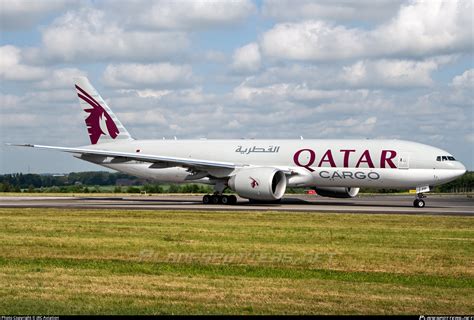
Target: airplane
x: 260, y: 170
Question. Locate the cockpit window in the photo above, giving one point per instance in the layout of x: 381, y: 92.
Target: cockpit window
x: 445, y: 158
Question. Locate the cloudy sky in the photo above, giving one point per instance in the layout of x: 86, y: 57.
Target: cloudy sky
x: 237, y: 69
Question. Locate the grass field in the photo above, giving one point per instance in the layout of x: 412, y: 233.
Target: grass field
x: 59, y: 261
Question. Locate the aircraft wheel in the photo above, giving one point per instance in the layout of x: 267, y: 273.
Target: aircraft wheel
x: 206, y: 199
x: 225, y: 200
x: 232, y: 199
x: 215, y: 199
x: 419, y: 203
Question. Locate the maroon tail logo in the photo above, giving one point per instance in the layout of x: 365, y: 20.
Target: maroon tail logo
x: 98, y: 120
x: 253, y: 183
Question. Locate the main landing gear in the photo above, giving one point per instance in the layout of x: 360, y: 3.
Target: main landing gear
x: 419, y: 202
x: 219, y: 199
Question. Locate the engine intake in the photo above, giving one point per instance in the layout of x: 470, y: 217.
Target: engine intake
x: 337, y: 192
x: 259, y: 183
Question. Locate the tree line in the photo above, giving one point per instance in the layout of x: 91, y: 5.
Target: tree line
x: 91, y: 182
x: 101, y: 181
x: 18, y: 182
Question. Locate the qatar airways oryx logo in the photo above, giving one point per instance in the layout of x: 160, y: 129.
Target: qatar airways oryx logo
x: 99, y: 121
x: 253, y: 182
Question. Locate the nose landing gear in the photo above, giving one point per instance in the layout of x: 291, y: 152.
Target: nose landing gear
x: 419, y: 202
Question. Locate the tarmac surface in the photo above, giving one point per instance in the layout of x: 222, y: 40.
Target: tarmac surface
x: 456, y: 205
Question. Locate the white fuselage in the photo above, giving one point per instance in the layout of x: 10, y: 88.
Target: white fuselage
x: 322, y: 163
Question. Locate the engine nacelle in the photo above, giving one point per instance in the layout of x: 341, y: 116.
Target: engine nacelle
x: 337, y: 192
x: 259, y: 183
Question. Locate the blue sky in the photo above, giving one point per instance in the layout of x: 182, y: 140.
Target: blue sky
x: 237, y: 69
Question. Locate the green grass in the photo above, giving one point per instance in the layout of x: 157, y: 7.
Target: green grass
x: 55, y: 261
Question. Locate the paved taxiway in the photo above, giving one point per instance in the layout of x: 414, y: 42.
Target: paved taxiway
x: 389, y: 204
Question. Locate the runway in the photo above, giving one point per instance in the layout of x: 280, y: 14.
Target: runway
x: 457, y: 205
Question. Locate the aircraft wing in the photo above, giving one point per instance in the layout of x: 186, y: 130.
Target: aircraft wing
x: 127, y: 156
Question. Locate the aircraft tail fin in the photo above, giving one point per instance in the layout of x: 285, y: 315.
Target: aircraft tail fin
x: 102, y: 124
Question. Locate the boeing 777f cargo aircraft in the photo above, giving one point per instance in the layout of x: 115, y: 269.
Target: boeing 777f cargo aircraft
x: 261, y: 170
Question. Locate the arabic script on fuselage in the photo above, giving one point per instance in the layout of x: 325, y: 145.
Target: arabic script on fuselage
x: 255, y: 149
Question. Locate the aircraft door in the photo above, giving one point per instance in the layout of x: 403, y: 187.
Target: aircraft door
x: 403, y: 161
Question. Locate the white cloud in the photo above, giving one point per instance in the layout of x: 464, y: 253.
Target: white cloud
x: 321, y: 76
x: 427, y: 27
x: 285, y: 96
x: 390, y: 73
x: 90, y: 35
x: 60, y: 78
x: 304, y: 93
x: 22, y: 14
x: 154, y: 75
x: 326, y: 69
x: 354, y: 125
x: 192, y: 96
x: 378, y: 73
x: 19, y: 119
x: 141, y: 118
x: 150, y: 98
x: 312, y: 40
x: 462, y: 88
x: 50, y: 96
x: 146, y: 93
x: 9, y: 101
x: 215, y: 56
x: 196, y: 14
x: 251, y: 94
x: 465, y: 80
x: 336, y: 10
x: 233, y: 124
x: 12, y: 67
x: 420, y: 28
x: 247, y: 58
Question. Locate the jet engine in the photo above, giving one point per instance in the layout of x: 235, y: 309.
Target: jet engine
x: 261, y: 183
x: 337, y: 192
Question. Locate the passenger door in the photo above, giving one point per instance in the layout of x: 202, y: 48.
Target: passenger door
x: 404, y: 160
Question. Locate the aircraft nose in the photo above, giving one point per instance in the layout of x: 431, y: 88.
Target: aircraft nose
x: 461, y: 168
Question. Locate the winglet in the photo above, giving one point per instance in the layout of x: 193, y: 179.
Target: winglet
x: 20, y: 145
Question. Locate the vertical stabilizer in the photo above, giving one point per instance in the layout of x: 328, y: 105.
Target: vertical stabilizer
x: 102, y: 124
